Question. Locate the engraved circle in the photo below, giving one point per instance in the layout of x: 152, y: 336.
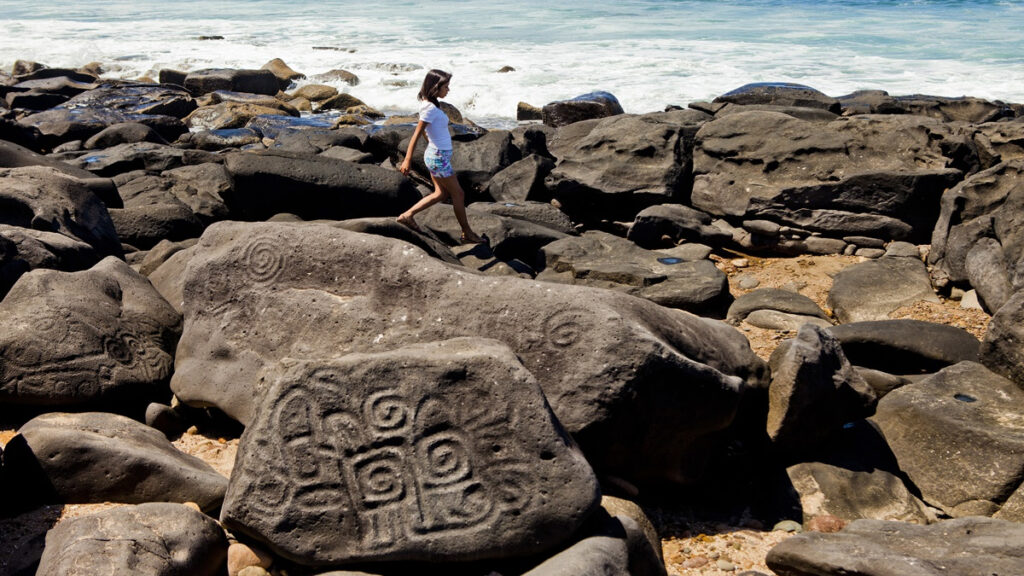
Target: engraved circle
x: 445, y: 459
x: 263, y: 260
x: 387, y: 411
x: 379, y: 479
x: 120, y: 348
x: 563, y: 329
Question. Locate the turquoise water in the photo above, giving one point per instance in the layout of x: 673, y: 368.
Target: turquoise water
x: 648, y: 53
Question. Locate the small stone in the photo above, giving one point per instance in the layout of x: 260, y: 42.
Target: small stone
x: 826, y: 523
x: 686, y: 550
x: 902, y: 250
x: 850, y: 250
x: 869, y: 252
x: 740, y: 262
x: 725, y: 566
x: 254, y: 571
x: 788, y: 526
x: 696, y: 562
x: 969, y: 301
x: 748, y: 282
x: 505, y: 69
x: 192, y: 430
x: 956, y: 293
x: 193, y: 506
x: 242, y: 556
x: 794, y: 286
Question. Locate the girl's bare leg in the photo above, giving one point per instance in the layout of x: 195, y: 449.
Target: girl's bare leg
x: 451, y: 187
x: 427, y: 201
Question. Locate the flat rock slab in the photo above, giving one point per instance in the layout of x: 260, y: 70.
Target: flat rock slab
x: 259, y: 292
x: 959, y: 436
x: 156, y: 539
x: 101, y: 457
x: 435, y: 452
x: 852, y: 494
x: 93, y: 338
x: 905, y: 346
x: 872, y: 290
x: 1002, y: 348
x: 604, y: 260
x: 964, y: 546
x: 774, y: 299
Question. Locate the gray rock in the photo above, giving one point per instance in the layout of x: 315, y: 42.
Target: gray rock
x: 24, y: 249
x: 607, y: 555
x: 126, y: 133
x: 148, y: 156
x: 614, y: 167
x: 766, y: 165
x: 428, y: 242
x: 316, y: 187
x: 999, y: 142
x: 477, y: 161
x: 42, y: 198
x: 851, y: 494
x: 871, y: 290
x: 607, y: 261
x: 63, y: 124
x: 145, y: 226
x: 254, y: 81
x: 773, y: 299
x: 1002, y: 348
x: 583, y: 107
x: 820, y: 245
x: 157, y: 539
x: 985, y: 205
x: 869, y: 252
x: 522, y: 181
x: 169, y: 278
x: 201, y: 188
x: 956, y: 436
x: 747, y: 282
x: 664, y: 224
x: 775, y: 320
x: 310, y: 291
x: 813, y: 391
x: 965, y: 546
x: 433, y: 452
x: 214, y: 140
x: 90, y: 338
x: 542, y: 213
x: 987, y: 272
x: 130, y: 98
x: 780, y: 94
x: 762, y: 227
x: 902, y: 250
x: 645, y: 556
x: 970, y: 300
x: 905, y: 346
x: 508, y: 237
x: 865, y: 241
x: 881, y: 382
x: 801, y: 112
x: 100, y: 457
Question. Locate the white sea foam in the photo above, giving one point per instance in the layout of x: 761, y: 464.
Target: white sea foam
x: 649, y: 53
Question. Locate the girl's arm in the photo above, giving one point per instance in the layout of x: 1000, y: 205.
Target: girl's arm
x: 407, y: 163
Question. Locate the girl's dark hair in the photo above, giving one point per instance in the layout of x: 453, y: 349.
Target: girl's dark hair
x: 432, y: 84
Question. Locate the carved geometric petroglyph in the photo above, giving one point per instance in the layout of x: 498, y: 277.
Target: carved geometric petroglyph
x: 565, y: 328
x: 263, y: 260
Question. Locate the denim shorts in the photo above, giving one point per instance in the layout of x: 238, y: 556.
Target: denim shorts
x: 439, y: 162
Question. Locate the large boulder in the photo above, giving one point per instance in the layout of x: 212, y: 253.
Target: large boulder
x: 999, y: 142
x: 989, y: 204
x: 509, y: 238
x: 99, y: 457
x: 779, y: 94
x: 522, y: 181
x: 670, y: 224
x: 542, y: 213
x: 267, y: 183
x: 147, y: 99
x: 606, y: 552
x: 965, y: 546
x: 63, y: 124
x: 229, y: 115
x: 156, y: 539
x: 636, y: 384
x: 1002, y: 348
x: 814, y: 391
x: 614, y: 167
x: 604, y: 260
x: 24, y: 249
x: 200, y: 82
x: 958, y: 437
x: 785, y: 301
x: 872, y: 290
x: 877, y: 176
x: 127, y: 133
x: 145, y: 226
x: 434, y: 452
x: 93, y: 338
x: 149, y: 156
x: 200, y: 187
x: 905, y: 346
x: 584, y: 107
x: 15, y: 156
x: 44, y: 199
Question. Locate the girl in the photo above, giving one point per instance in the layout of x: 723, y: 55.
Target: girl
x: 438, y: 156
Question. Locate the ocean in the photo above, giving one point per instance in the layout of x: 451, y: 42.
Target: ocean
x: 649, y: 53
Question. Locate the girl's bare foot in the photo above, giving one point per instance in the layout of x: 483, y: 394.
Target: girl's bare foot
x: 408, y: 222
x: 471, y: 238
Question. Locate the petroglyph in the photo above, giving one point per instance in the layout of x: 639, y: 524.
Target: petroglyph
x: 264, y: 260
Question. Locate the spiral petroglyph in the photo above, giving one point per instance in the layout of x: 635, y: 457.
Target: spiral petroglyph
x: 565, y: 328
x: 263, y: 260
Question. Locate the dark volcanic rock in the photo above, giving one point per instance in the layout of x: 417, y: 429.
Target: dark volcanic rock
x: 988, y: 274
x: 957, y: 435
x: 16, y: 156
x: 91, y: 338
x: 607, y: 261
x: 584, y: 107
x: 774, y: 299
x: 852, y: 494
x: 522, y: 181
x: 34, y: 100
x: 1002, y: 349
x: 158, y: 539
x: 637, y: 384
x: 229, y: 115
x: 814, y: 391
x: 877, y: 176
x: 144, y: 226
x: 780, y: 94
x: 98, y: 457
x: 989, y: 204
x: 905, y: 346
x: 871, y: 290
x: 429, y: 243
x: 254, y: 81
x: 148, y: 156
x: 604, y: 553
x: 434, y: 452
x: 477, y: 161
x: 24, y: 249
x: 146, y: 99
x: 965, y: 546
x: 999, y: 142
x: 542, y: 213
x: 41, y: 198
x: 219, y: 139
x: 267, y: 183
x: 59, y: 125
x: 127, y: 133
x: 201, y: 188
x: 670, y: 224
x: 509, y: 238
x: 617, y: 166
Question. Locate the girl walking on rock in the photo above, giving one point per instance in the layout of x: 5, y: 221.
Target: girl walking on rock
x: 438, y: 156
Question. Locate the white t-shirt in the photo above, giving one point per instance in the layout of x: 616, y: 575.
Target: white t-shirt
x: 437, y: 126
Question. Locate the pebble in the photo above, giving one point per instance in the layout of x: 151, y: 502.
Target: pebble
x: 969, y: 301
x: 725, y: 566
x: 242, y: 556
x: 193, y: 506
x: 254, y: 571
x: 748, y: 282
x: 740, y: 262
x: 695, y: 562
x: 794, y: 286
x: 788, y: 526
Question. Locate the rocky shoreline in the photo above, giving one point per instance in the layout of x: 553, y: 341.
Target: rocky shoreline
x: 217, y: 250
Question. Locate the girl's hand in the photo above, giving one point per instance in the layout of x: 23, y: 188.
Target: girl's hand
x: 404, y: 168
